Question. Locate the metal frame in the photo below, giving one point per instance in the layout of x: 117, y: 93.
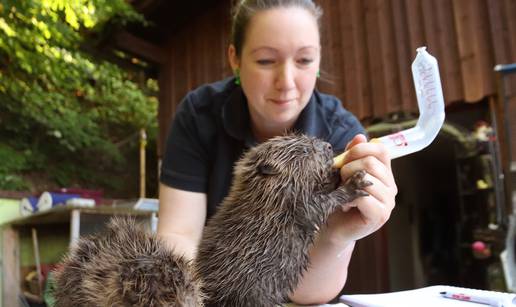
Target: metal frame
x: 500, y: 108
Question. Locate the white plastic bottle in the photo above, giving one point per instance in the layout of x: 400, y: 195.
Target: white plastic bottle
x: 427, y: 82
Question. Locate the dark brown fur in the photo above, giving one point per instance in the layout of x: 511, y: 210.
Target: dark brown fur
x: 255, y: 249
x: 126, y: 266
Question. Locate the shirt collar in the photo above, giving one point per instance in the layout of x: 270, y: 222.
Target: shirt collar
x: 311, y: 120
x: 235, y: 115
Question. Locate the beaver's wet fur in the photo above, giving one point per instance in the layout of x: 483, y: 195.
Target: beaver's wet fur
x: 125, y: 266
x: 253, y: 252
x: 255, y: 248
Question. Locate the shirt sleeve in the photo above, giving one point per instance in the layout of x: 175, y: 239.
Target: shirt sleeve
x: 185, y: 160
x: 344, y: 126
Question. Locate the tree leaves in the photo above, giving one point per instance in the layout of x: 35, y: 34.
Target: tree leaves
x: 56, y: 98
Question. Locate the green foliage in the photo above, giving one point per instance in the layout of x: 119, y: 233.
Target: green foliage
x: 12, y: 162
x: 59, y: 105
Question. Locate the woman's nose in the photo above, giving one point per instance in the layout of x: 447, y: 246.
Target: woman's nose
x: 285, y: 77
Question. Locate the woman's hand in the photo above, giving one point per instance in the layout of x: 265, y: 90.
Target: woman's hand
x: 366, y: 214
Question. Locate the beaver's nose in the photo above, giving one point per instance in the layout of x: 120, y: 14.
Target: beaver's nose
x: 323, y: 146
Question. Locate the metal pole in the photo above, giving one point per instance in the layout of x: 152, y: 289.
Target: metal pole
x: 143, y: 144
x: 35, y: 245
x: 75, y: 226
x: 504, y: 132
x: 507, y: 256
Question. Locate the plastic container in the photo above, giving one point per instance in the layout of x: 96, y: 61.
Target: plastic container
x: 427, y: 82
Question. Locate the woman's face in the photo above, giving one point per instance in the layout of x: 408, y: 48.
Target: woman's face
x: 278, y: 65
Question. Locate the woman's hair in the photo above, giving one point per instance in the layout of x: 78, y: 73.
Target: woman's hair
x: 246, y: 9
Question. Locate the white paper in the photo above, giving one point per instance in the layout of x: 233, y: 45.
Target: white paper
x: 424, y: 297
x: 325, y: 305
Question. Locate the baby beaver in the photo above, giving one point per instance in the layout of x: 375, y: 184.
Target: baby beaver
x: 125, y: 266
x: 255, y: 248
x: 253, y: 252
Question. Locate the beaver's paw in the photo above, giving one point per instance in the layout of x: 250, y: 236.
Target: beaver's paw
x: 355, y: 184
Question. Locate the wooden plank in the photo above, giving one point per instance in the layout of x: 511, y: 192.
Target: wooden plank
x: 415, y: 20
x: 510, y: 39
x: 213, y: 59
x: 166, y: 102
x: 512, y: 129
x: 417, y: 37
x: 497, y: 23
x: 430, y: 27
x: 389, y: 59
x: 407, y: 100
x: 140, y: 47
x: 326, y: 81
x: 60, y: 214
x: 325, y: 64
x: 483, y: 51
x: 335, y: 51
x: 353, y: 77
x: 201, y: 38
x: 501, y: 18
x: 223, y: 39
x: 11, y: 266
x: 188, y: 40
x: 180, y: 67
x: 375, y: 65
x: 449, y: 62
x: 510, y: 10
x: 464, y: 23
x: 338, y: 60
x: 14, y: 194
x: 360, y: 63
x: 197, y: 62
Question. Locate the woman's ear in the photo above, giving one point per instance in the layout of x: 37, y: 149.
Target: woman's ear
x: 234, y: 61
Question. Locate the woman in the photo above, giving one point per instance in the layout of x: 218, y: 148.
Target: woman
x: 275, y: 55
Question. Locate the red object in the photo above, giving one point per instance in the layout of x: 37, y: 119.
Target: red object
x: 462, y: 297
x: 478, y: 246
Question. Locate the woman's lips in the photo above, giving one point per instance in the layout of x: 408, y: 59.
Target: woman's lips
x: 281, y: 101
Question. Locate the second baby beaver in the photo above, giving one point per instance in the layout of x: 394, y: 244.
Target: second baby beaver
x: 125, y: 266
x: 255, y: 248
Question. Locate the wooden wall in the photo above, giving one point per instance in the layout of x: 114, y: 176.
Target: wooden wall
x: 371, y: 53
x: 368, y: 46
x: 196, y: 55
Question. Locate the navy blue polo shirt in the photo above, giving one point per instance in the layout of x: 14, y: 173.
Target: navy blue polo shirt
x: 211, y: 129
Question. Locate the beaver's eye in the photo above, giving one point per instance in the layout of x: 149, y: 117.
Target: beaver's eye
x: 267, y: 169
x: 305, y: 150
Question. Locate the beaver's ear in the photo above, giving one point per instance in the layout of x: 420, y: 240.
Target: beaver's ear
x: 267, y: 169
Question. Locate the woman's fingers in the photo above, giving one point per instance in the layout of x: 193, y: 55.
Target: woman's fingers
x: 379, y: 191
x: 357, y: 139
x: 374, y: 212
x: 362, y: 150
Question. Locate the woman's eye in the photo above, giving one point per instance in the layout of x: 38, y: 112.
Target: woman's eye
x: 265, y: 62
x: 305, y: 61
